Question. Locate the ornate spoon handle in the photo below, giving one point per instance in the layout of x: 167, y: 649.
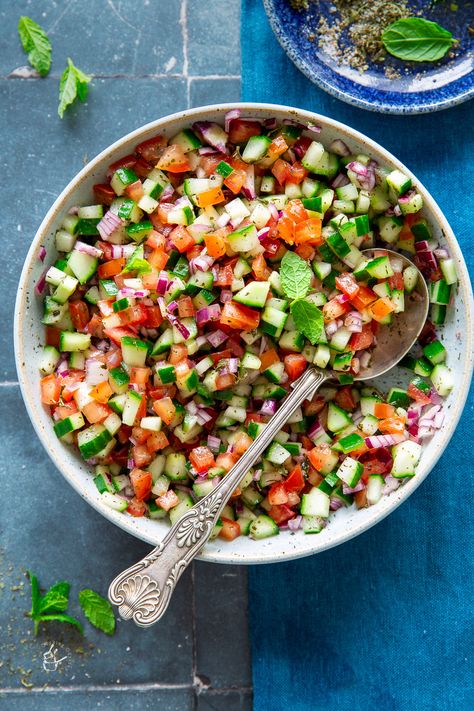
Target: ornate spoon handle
x: 143, y: 591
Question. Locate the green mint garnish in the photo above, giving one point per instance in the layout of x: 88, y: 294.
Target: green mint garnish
x: 72, y: 86
x: 417, y: 40
x: 35, y: 41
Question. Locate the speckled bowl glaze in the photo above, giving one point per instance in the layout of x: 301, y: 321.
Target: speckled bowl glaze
x: 457, y: 335
x: 421, y: 87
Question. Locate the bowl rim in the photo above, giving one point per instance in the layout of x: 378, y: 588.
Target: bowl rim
x: 382, y: 105
x: 226, y: 554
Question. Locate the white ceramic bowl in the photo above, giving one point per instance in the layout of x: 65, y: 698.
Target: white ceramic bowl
x: 457, y: 335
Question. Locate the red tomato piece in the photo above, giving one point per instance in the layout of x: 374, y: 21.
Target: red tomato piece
x: 295, y: 480
x: 152, y: 149
x: 240, y: 130
x: 50, y: 390
x: 104, y: 193
x: 277, y: 494
x: 201, y: 458
x: 230, y: 529
x: 136, y: 508
x: 142, y: 482
x: 346, y: 283
x: 79, y: 313
x: 295, y: 365
x: 240, y: 317
x: 281, y: 514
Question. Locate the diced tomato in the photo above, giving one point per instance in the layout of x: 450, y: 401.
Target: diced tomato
x: 295, y: 480
x: 157, y: 441
x: 105, y: 307
x: 225, y: 276
x: 241, y: 443
x: 295, y: 210
x: 296, y: 173
x: 235, y: 180
x: 377, y: 461
x: 134, y: 315
x: 224, y: 381
x: 96, y: 412
x: 276, y: 148
x: 111, y: 268
x: 320, y: 456
x: 361, y: 341
x: 141, y: 455
x: 396, y: 281
x: 178, y: 353
x: 79, y: 313
x: 142, y: 482
x: 226, y: 460
x: 281, y: 514
x: 286, y: 229
x: 116, y: 334
x: 215, y: 245
x: 363, y: 297
x: 314, y: 477
x: 140, y: 376
x: 334, y: 309
x: 281, y: 170
x: 305, y: 251
x: 151, y: 149
x: 173, y: 160
x: 50, y: 389
x: 277, y: 494
x: 101, y: 392
x: 181, y: 238
x: 209, y: 163
x: 381, y: 308
x: 260, y: 268
x: 382, y: 410
x: 267, y: 358
x: 185, y: 307
x: 345, y: 398
x: 165, y: 409
x: 155, y: 240
x: 153, y: 317
x: 360, y: 499
x: 136, y: 508
x: 52, y: 336
x: 418, y: 395
x: 230, y: 529
x: 104, y: 193
x: 210, y: 197
x: 168, y: 500
x: 302, y: 145
x: 240, y: 130
x: 63, y: 411
x: 125, y: 162
x: 295, y: 365
x: 140, y: 435
x: 239, y: 316
x: 309, y: 232
x: 201, y: 458
x: 134, y: 190
x: 67, y: 383
x: 157, y: 260
x: 392, y: 425
x: 346, y: 283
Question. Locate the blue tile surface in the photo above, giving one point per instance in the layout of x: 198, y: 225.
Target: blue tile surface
x: 149, y: 58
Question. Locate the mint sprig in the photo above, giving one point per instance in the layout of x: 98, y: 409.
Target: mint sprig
x: 51, y: 606
x: 296, y: 276
x: 35, y: 41
x: 72, y: 86
x: 417, y: 40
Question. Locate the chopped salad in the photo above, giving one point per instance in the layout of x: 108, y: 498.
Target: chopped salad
x: 211, y: 269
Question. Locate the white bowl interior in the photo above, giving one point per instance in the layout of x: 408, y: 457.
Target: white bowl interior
x: 457, y: 336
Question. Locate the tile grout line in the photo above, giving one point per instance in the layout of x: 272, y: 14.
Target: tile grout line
x: 170, y: 75
x: 183, y: 21
x: 194, y: 631
x: 8, y: 383
x: 141, y: 687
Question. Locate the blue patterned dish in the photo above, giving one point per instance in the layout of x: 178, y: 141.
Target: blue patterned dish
x: 419, y: 88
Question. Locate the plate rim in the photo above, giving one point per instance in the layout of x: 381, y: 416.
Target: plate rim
x: 405, y: 109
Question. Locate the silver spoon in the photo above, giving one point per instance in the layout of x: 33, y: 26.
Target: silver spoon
x: 143, y: 591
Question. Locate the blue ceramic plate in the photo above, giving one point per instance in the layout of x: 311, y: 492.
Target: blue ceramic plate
x: 418, y: 88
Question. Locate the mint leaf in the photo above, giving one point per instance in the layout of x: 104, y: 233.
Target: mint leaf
x: 35, y: 41
x: 56, y: 599
x: 98, y: 611
x: 295, y: 275
x: 35, y: 594
x: 62, y: 618
x: 72, y: 86
x: 308, y: 319
x: 417, y: 40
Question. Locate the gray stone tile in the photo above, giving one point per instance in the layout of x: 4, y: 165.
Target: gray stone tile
x: 43, y: 153
x: 213, y: 37
x: 50, y: 530
x: 222, y: 650
x: 103, y: 37
x: 105, y: 700
x: 224, y: 701
x: 214, y: 91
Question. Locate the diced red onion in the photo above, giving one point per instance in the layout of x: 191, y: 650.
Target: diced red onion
x: 109, y: 224
x: 263, y: 233
x: 331, y: 328
x: 270, y: 123
x: 203, y: 417
x: 73, y: 210
x: 122, y: 250
x: 216, y: 338
x: 42, y: 253
x: 269, y: 407
x: 339, y: 148
x: 312, y: 127
x: 353, y: 322
x: 397, y: 211
x: 295, y: 523
x: 208, y: 313
x: 257, y: 474
x: 163, y: 281
x: 225, y: 296
x: 273, y: 209
x: 377, y: 441
x: 96, y: 372
x: 315, y: 430
x: 233, y: 365
x: 263, y: 345
x: 364, y: 358
x: 167, y: 193
x: 365, y: 174
x: 248, y: 188
x: 213, y: 443
x: 335, y: 504
x: 87, y: 249
x: 340, y: 180
x: 205, y: 129
x: 62, y: 368
x: 207, y: 151
x: 391, y: 484
x: 231, y: 116
x: 204, y: 262
x: 360, y: 486
x: 441, y: 253
x: 172, y: 306
x: 41, y: 283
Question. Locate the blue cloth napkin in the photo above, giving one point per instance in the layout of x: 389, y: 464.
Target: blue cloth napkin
x: 383, y: 622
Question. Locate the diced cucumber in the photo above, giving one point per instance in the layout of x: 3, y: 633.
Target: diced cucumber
x: 276, y: 453
x: 244, y: 239
x: 350, y: 471
x: 175, y: 467
x: 375, y: 487
x: 313, y: 524
x: 178, y: 511
x: 49, y: 360
x: 448, y: 268
x: 69, y: 424
x: 337, y: 418
x: 406, y: 456
x: 72, y: 341
x: 262, y: 527
x: 315, y: 503
x: 93, y: 440
x: 113, y: 501
x: 443, y: 379
x: 440, y: 292
x: 133, y: 401
x: 399, y: 182
x: 187, y: 140
x: 253, y: 294
x: 255, y: 148
x: 380, y: 268
x: 134, y: 351
x: 82, y: 265
x: 273, y: 321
